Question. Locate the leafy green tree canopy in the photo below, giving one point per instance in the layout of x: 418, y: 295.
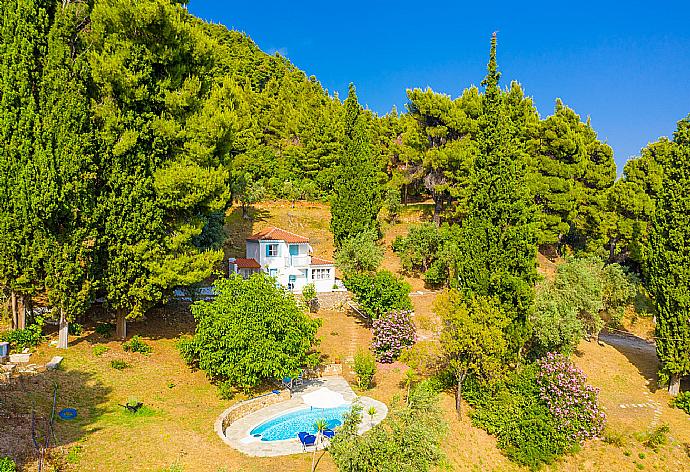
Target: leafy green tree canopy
x: 252, y: 331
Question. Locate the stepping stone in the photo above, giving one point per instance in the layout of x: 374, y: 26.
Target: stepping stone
x: 54, y: 363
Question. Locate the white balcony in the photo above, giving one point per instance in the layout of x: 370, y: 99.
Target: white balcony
x: 297, y: 261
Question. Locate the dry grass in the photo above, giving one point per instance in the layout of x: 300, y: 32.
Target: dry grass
x: 183, y: 405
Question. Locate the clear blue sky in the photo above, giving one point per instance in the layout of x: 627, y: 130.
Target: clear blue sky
x: 624, y: 64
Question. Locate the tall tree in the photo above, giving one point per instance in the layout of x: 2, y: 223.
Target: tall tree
x: 496, y: 245
x: 571, y: 175
x: 668, y: 263
x: 65, y: 169
x: 164, y: 168
x: 356, y: 200
x: 632, y: 201
x: 22, y: 47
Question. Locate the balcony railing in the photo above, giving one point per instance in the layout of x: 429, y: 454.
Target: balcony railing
x: 297, y: 261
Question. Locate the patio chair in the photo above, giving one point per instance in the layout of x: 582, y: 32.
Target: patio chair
x: 328, y: 433
x: 306, y: 439
x: 287, y: 382
x: 299, y: 379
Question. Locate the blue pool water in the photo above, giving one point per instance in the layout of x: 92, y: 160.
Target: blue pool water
x: 287, y: 426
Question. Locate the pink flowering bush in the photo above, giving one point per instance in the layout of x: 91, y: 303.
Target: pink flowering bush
x: 393, y: 332
x: 574, y: 404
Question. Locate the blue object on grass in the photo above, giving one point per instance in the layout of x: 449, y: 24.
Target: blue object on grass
x: 68, y: 413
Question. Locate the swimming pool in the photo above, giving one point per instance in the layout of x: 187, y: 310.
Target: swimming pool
x: 288, y: 425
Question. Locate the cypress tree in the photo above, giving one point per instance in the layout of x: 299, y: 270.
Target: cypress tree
x: 65, y: 169
x: 496, y: 245
x: 22, y: 47
x: 357, y: 194
x: 668, y: 265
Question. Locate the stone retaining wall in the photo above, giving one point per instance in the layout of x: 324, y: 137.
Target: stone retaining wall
x: 238, y: 410
x: 334, y: 300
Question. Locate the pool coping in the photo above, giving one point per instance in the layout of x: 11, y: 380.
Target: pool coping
x: 237, y: 435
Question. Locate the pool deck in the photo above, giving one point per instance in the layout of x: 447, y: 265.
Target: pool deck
x: 237, y: 434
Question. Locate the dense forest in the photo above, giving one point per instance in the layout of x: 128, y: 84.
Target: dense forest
x: 128, y: 129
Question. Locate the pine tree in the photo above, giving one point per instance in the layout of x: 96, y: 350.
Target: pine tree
x: 496, y: 246
x: 668, y: 265
x: 357, y: 194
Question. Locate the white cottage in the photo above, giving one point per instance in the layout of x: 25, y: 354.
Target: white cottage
x: 287, y: 257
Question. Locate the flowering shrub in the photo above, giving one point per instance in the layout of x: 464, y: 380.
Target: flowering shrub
x: 392, y: 333
x: 574, y: 404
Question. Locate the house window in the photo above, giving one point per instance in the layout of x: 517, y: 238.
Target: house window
x: 271, y: 250
x: 320, y: 274
x: 291, y: 282
x: 273, y: 272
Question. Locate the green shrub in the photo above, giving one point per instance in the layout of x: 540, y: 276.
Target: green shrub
x: 309, y: 297
x: 391, y: 202
x: 119, y: 364
x: 379, y: 293
x: 359, y: 253
x: 74, y: 454
x: 512, y: 411
x: 75, y: 329
x: 7, y: 465
x: 657, y: 438
x: 682, y: 401
x: 105, y: 329
x: 226, y: 391
x: 614, y: 438
x: 137, y: 344
x: 365, y: 368
x: 19, y: 339
x: 408, y: 439
x: 98, y: 351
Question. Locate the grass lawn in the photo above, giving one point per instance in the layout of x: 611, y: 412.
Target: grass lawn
x: 176, y: 427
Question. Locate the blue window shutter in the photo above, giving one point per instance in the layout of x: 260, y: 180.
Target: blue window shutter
x: 267, y: 250
x: 294, y: 249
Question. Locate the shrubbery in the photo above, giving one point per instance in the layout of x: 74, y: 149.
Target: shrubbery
x: 514, y: 412
x: 682, y: 401
x: 19, y: 339
x: 137, y: 344
x: 572, y: 304
x: 393, y: 332
x: 408, y: 439
x: 379, y: 293
x: 574, y: 403
x: 119, y: 364
x: 75, y: 329
x: 365, y: 368
x: 105, y: 329
x: 359, y: 253
x: 7, y: 465
x: 538, y: 412
x: 309, y: 296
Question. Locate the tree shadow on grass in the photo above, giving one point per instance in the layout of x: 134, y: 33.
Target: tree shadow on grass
x: 76, y: 389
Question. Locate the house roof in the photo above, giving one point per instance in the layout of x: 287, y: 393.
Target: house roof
x: 319, y: 261
x: 242, y: 263
x: 276, y: 234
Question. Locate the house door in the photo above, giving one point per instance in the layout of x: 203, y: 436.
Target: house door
x: 291, y: 282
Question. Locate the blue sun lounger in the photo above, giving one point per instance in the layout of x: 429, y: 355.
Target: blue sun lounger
x: 306, y: 439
